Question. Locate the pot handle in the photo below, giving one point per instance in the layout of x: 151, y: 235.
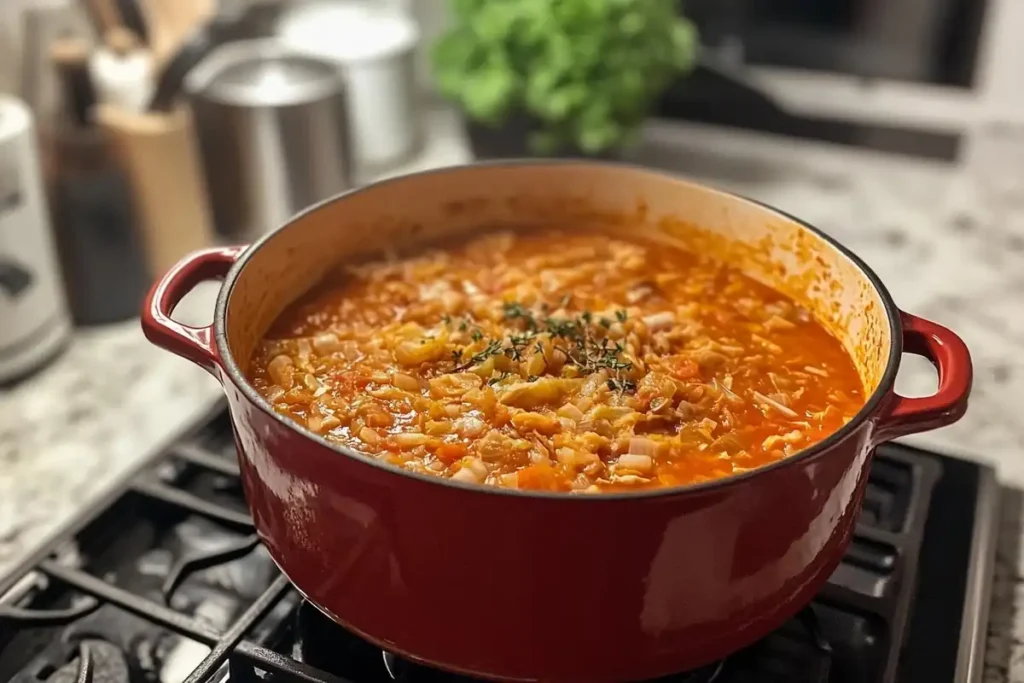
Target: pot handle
x: 948, y: 353
x: 194, y: 343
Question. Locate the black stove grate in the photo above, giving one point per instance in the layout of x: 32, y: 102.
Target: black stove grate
x: 166, y: 581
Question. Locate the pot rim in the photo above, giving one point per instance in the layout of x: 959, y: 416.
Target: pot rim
x: 869, y: 408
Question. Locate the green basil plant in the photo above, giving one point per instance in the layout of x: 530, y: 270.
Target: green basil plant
x: 584, y: 72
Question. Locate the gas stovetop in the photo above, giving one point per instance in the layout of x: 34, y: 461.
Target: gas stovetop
x: 166, y: 581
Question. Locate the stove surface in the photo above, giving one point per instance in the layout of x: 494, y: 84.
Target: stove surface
x: 165, y: 581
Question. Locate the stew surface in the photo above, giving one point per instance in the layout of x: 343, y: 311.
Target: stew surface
x: 563, y: 362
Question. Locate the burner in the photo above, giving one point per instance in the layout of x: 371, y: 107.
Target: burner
x: 798, y: 653
x: 81, y: 607
x: 320, y: 642
x: 404, y: 671
x: 205, y: 559
x: 400, y: 669
x: 706, y: 674
x: 94, y: 661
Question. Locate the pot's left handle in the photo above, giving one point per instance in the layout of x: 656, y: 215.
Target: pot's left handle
x: 194, y: 343
x: 948, y: 353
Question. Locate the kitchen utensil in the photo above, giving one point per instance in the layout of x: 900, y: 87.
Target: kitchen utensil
x: 104, y: 15
x: 273, y: 133
x: 70, y: 56
x: 94, y: 221
x: 132, y: 19
x: 375, y: 48
x: 170, y: 22
x: 240, y: 20
x: 158, y: 151
x: 34, y: 323
x: 122, y: 71
x: 518, y: 585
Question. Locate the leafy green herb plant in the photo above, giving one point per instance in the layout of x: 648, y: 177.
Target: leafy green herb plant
x: 585, y: 72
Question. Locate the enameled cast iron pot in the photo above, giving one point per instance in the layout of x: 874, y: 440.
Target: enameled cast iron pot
x: 537, y: 586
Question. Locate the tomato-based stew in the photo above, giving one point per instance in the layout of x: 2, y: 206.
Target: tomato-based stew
x: 569, y: 361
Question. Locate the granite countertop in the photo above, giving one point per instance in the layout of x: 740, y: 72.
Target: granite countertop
x: 947, y: 241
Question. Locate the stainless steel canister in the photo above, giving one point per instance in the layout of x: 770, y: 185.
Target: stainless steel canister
x: 273, y: 134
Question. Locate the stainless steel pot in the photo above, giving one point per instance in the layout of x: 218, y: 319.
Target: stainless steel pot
x: 273, y: 134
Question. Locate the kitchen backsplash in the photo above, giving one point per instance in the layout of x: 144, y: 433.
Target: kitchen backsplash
x: 10, y: 43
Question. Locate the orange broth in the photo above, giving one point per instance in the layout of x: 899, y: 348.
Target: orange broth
x: 558, y: 361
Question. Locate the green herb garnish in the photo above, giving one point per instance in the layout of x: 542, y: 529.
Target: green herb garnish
x: 493, y: 348
x: 582, y: 343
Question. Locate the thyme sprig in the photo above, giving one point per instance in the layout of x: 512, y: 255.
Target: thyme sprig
x: 493, y: 348
x: 582, y: 341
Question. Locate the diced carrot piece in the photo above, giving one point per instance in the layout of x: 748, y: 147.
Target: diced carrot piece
x: 501, y: 415
x: 685, y: 369
x: 450, y: 452
x: 540, y: 477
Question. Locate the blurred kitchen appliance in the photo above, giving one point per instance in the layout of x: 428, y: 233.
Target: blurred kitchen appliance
x: 273, y: 133
x: 34, y: 321
x: 923, y: 41
x: 375, y: 47
x: 935, y: 67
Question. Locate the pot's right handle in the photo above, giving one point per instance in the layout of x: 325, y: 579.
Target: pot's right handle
x: 950, y: 356
x: 194, y: 343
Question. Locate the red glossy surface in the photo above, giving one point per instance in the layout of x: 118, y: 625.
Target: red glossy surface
x: 194, y: 343
x: 556, y: 588
x: 948, y: 353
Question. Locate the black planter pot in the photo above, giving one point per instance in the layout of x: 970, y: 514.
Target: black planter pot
x: 511, y: 141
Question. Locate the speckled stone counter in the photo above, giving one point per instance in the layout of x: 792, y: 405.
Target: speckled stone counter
x: 73, y: 431
x: 948, y: 242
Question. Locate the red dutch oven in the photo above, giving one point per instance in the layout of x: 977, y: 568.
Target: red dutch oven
x: 515, y: 585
